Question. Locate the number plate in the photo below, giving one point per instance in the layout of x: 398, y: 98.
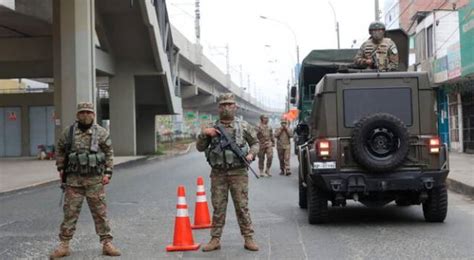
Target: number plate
x: 324, y: 165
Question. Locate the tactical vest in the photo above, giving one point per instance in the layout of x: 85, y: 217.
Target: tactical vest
x: 225, y: 159
x: 378, y: 52
x: 91, y: 162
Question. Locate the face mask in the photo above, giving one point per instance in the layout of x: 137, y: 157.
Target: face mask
x: 227, y: 113
x: 377, y: 35
x: 85, y: 119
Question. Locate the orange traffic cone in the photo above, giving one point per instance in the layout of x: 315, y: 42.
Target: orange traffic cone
x: 201, y: 211
x: 183, y: 234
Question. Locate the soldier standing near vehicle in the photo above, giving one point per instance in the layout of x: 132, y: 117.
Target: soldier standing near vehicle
x: 377, y: 52
x: 283, y: 135
x: 229, y: 173
x: 84, y: 161
x: 266, y: 142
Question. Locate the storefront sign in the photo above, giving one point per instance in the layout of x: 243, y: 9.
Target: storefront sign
x: 454, y: 61
x: 466, y: 32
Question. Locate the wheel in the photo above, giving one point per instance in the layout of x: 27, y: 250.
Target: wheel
x: 435, y: 207
x: 302, y: 197
x: 317, y: 205
x: 380, y: 142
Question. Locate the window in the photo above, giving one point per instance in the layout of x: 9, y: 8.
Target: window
x: 429, y: 41
x: 420, y: 46
x: 359, y: 103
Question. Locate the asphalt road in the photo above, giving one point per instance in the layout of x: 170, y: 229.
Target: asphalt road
x: 142, y: 201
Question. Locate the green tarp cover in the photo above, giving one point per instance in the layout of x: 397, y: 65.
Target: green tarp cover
x: 329, y: 57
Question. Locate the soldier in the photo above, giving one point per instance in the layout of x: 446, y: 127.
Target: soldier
x: 266, y: 142
x: 377, y: 52
x: 283, y: 135
x: 84, y: 161
x: 228, y: 172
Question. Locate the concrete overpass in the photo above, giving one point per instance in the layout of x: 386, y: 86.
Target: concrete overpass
x: 201, y: 82
x: 80, y: 46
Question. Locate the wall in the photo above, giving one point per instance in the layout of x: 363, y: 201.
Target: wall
x: 25, y: 101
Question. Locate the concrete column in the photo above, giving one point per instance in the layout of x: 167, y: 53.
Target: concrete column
x: 74, y: 57
x: 122, y: 111
x: 146, y: 138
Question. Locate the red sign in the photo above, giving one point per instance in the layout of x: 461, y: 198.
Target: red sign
x: 11, y: 116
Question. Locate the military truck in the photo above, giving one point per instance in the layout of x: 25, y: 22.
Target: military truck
x: 368, y: 136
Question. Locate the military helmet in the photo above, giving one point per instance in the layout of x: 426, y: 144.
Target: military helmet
x: 226, y: 98
x: 263, y: 117
x: 376, y: 26
x: 85, y: 106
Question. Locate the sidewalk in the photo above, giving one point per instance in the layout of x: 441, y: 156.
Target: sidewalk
x: 25, y: 172
x: 461, y: 173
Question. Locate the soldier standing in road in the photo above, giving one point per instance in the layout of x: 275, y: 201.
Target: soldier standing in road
x: 266, y: 142
x: 377, y: 52
x: 228, y: 172
x: 283, y: 136
x: 84, y: 160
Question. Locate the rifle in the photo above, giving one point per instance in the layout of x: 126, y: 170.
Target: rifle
x: 226, y: 141
x: 67, y: 149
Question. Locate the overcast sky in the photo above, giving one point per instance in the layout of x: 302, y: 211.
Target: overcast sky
x: 237, y: 23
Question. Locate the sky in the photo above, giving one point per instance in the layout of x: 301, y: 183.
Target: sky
x: 266, y: 48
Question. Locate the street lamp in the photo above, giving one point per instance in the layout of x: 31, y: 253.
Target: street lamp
x: 337, y: 24
x: 292, y: 32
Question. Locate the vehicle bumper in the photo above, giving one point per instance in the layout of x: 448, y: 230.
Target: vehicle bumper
x: 363, y: 182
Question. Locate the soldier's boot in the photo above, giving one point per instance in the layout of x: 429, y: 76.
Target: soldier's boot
x: 214, y: 244
x: 109, y: 249
x: 287, y: 172
x: 267, y: 172
x: 250, y: 244
x: 61, y: 250
x: 262, y: 173
x: 282, y: 172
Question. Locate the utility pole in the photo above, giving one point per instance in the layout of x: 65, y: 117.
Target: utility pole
x: 377, y: 11
x: 337, y: 25
x: 241, y: 77
x: 227, y: 59
x: 197, y: 24
x: 288, y: 96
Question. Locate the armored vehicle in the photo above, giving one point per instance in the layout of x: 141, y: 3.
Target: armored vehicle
x: 368, y: 136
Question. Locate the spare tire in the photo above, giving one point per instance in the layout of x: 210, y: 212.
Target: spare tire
x: 380, y: 142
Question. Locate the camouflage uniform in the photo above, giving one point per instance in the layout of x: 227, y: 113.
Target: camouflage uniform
x: 266, y: 142
x: 225, y: 178
x: 385, y: 53
x: 85, y: 181
x: 284, y: 148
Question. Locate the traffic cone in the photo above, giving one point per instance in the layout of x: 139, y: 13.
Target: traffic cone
x: 201, y: 211
x: 183, y: 234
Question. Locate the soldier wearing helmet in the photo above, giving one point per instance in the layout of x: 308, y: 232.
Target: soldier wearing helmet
x: 84, y: 159
x: 267, y: 142
x: 377, y: 52
x: 283, y: 135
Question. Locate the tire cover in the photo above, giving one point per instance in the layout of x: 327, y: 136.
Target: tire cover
x: 376, y: 129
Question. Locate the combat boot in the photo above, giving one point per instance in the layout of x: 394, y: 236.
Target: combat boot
x: 61, y: 250
x: 214, y: 244
x: 262, y: 173
x: 287, y: 172
x: 250, y: 244
x: 267, y: 172
x: 109, y: 249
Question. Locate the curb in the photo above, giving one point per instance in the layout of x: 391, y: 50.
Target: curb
x: 119, y: 166
x: 460, y: 188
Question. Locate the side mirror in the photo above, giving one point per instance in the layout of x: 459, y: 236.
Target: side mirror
x: 293, y: 92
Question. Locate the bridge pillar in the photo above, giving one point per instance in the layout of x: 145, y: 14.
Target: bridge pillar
x: 74, y: 58
x: 122, y: 111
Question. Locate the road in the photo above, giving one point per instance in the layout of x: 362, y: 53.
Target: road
x: 142, y: 201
